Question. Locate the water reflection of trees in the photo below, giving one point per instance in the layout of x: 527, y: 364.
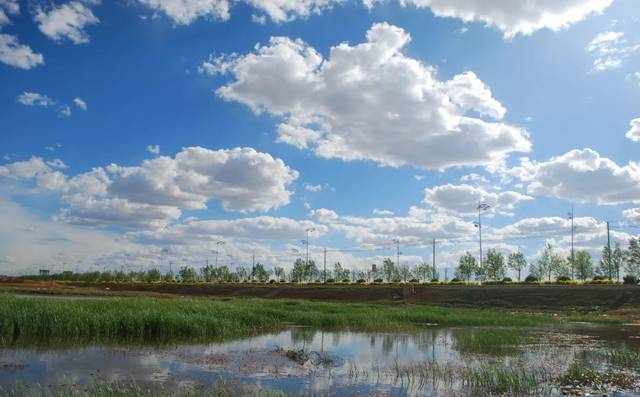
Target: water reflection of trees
x: 302, y: 335
x: 399, y: 344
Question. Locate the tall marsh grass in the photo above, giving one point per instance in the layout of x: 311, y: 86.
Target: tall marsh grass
x: 152, y: 320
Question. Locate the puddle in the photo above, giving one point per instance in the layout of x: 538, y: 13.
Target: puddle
x: 304, y: 361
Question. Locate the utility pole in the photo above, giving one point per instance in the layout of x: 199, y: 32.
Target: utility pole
x: 324, y: 267
x: 481, y: 207
x: 571, y: 217
x: 311, y: 229
x: 217, y: 251
x: 433, y: 270
x: 396, y: 241
x: 253, y: 262
x: 609, y: 250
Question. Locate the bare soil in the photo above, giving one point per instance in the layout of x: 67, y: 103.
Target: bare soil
x: 586, y: 297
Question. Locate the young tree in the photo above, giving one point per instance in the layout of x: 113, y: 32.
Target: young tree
x: 208, y: 273
x: 426, y: 272
x: 632, y: 262
x: 298, y: 272
x: 339, y: 272
x: 404, y: 272
x: 517, y: 262
x: 617, y: 260
x: 560, y: 266
x: 241, y: 273
x: 494, y: 268
x: 153, y: 275
x: 466, y: 267
x: 259, y: 273
x: 279, y: 272
x: 583, y: 265
x: 606, y: 267
x: 545, y: 264
x: 388, y: 269
x: 187, y: 274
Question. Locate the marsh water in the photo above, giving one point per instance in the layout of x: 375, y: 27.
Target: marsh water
x: 304, y: 361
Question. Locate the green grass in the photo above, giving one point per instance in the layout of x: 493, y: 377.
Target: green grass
x: 494, y: 341
x: 621, y: 357
x: 502, y: 379
x: 130, y: 389
x: 152, y: 320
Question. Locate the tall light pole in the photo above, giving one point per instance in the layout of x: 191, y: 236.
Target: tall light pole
x: 217, y: 251
x: 571, y: 217
x: 396, y: 241
x: 481, y: 207
x: 311, y: 229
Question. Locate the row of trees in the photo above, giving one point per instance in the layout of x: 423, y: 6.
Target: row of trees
x: 495, y: 266
x: 552, y: 265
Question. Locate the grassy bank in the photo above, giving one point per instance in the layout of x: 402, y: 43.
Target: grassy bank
x: 155, y: 319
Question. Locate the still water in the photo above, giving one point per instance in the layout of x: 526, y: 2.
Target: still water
x: 304, y: 361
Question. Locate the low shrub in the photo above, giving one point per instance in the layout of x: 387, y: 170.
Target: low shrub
x: 434, y: 280
x: 272, y: 281
x: 507, y: 280
x: 330, y: 281
x: 346, y: 281
x: 377, y: 280
x: 600, y: 280
x: 630, y: 280
x: 414, y: 280
x: 360, y: 281
x: 531, y: 279
x: 563, y: 278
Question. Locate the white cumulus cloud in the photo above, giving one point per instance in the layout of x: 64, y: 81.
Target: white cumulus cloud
x: 183, y: 12
x: 18, y: 55
x: 464, y: 199
x: 66, y: 22
x: 581, y: 175
x: 80, y: 103
x: 513, y: 17
x: 371, y: 102
x: 155, y: 192
x: 634, y: 130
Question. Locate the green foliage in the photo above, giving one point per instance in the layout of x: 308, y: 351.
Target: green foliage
x: 259, y: 273
x: 517, y: 262
x: 467, y: 267
x: 304, y: 271
x: 583, y: 265
x: 339, y: 272
x: 494, y: 341
x: 494, y: 266
x: 426, y: 272
x: 187, y: 274
x: 388, y: 269
x: 153, y: 320
x: 632, y: 263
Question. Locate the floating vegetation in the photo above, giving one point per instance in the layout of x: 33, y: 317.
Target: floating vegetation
x: 581, y: 375
x: 302, y: 357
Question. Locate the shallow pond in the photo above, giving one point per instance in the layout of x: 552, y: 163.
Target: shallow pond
x: 303, y: 361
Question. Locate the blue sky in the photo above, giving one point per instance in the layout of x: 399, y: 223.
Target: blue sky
x: 351, y: 123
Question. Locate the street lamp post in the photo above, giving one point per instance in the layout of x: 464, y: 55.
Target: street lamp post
x: 570, y: 215
x: 481, y: 207
x: 311, y: 229
x: 217, y: 251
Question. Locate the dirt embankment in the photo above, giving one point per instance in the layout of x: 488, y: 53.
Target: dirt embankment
x: 510, y: 296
